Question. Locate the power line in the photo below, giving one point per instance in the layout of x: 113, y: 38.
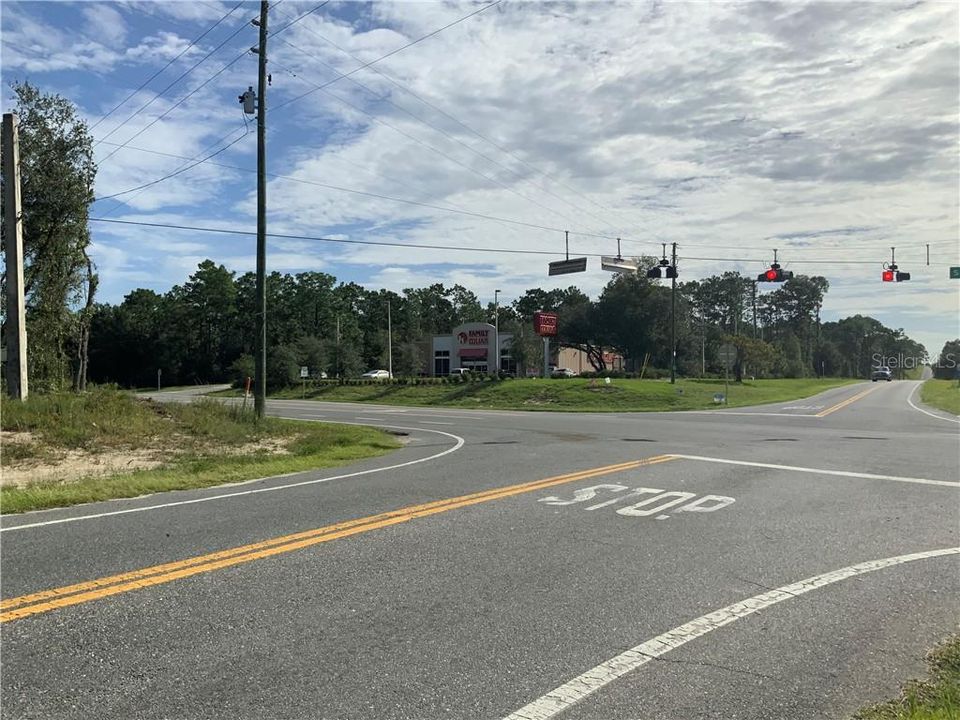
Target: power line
x: 459, y: 122
x: 452, y: 248
x: 392, y: 53
x: 170, y: 85
x: 183, y: 169
x: 366, y: 65
x: 163, y: 69
x: 438, y: 129
x: 431, y: 206
x: 298, y: 18
x: 196, y: 89
x: 364, y: 193
x: 177, y: 104
x: 190, y: 166
x: 430, y: 147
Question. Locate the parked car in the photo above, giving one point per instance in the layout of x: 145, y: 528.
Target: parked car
x: 881, y: 373
x: 460, y: 371
x: 377, y: 375
x: 564, y: 372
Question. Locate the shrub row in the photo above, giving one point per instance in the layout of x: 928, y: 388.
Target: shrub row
x: 446, y: 380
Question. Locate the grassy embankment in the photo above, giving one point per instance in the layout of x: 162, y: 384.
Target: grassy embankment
x: 943, y: 394
x: 937, y: 698
x: 571, y: 394
x: 66, y: 449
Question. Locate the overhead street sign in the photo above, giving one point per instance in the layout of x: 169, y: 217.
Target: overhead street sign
x: 618, y: 264
x: 565, y: 267
x: 955, y: 273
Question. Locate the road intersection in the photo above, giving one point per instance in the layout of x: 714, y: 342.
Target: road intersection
x: 790, y: 560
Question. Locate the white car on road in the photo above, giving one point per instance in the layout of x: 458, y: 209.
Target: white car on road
x: 377, y: 375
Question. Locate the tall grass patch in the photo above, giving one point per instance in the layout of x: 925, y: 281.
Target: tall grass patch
x: 199, y: 444
x: 104, y: 416
x: 942, y: 394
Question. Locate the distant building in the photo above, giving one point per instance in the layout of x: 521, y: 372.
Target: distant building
x: 578, y: 361
x: 471, y: 346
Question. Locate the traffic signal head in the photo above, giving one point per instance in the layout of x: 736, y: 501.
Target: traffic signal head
x: 662, y: 271
x: 888, y: 276
x: 775, y: 274
x: 901, y: 276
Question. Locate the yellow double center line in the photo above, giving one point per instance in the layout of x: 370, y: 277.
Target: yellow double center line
x: 47, y: 600
x: 849, y: 401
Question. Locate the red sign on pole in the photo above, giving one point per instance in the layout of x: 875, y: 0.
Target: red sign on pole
x: 545, y: 323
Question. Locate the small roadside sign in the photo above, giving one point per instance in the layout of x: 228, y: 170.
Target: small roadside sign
x: 304, y: 371
x: 728, y: 355
x: 955, y: 272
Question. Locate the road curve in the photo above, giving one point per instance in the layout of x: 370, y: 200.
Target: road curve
x: 790, y: 560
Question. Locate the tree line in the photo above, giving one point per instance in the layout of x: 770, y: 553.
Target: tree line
x: 204, y: 329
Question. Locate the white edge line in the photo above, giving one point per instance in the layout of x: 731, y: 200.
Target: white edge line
x: 459, y: 444
x: 561, y: 698
x: 927, y: 412
x: 817, y: 471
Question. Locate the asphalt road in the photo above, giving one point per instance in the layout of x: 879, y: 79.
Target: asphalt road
x: 785, y: 561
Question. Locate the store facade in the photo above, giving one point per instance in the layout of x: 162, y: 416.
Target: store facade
x: 473, y: 347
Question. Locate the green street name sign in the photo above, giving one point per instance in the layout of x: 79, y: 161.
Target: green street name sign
x: 955, y: 273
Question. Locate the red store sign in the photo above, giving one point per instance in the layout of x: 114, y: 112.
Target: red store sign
x: 545, y: 323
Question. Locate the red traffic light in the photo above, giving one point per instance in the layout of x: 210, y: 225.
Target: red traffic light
x: 888, y: 276
x: 771, y: 275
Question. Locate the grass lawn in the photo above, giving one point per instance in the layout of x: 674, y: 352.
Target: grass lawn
x: 937, y: 698
x: 943, y: 394
x: 571, y: 394
x: 66, y: 448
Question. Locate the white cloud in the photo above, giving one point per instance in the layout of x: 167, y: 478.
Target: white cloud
x: 826, y: 130
x: 104, y: 23
x: 163, y: 46
x: 185, y: 10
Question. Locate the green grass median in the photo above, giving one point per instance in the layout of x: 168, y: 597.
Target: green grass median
x: 937, y: 698
x: 942, y: 394
x: 65, y: 449
x: 569, y: 394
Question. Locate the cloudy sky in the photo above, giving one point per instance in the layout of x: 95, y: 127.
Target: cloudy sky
x: 826, y: 130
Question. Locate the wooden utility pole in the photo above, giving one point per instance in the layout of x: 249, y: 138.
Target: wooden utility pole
x: 389, y: 342
x: 673, y: 319
x: 260, y: 397
x: 16, y: 331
